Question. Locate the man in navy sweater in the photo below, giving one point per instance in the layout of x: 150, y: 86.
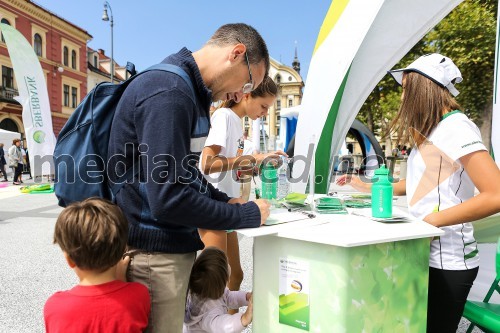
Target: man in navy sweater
x: 160, y: 129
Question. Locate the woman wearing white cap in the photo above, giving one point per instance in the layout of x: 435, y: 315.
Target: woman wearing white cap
x: 449, y: 162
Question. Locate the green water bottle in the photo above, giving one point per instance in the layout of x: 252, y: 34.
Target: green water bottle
x: 269, y: 178
x: 382, y: 193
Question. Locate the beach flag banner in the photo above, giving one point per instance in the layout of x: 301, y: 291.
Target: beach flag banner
x: 495, y: 122
x: 34, y: 99
x: 358, y: 43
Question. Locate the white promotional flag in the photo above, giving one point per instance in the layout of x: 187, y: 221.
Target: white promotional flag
x: 495, y: 123
x: 34, y: 99
x: 357, y: 43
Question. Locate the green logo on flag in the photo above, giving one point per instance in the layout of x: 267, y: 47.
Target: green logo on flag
x: 39, y: 136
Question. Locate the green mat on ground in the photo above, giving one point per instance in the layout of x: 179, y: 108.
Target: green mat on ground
x: 42, y: 192
x: 37, y: 188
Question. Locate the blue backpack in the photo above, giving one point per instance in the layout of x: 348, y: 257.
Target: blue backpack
x: 81, y: 151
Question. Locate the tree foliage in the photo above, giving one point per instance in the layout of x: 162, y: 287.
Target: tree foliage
x: 467, y: 36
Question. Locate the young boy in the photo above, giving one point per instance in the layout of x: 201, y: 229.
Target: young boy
x: 93, y: 235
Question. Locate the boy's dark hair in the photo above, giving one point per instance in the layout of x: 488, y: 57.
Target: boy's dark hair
x: 234, y: 33
x: 209, y: 274
x: 93, y: 233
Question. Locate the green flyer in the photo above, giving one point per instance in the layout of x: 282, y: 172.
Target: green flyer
x: 294, y: 293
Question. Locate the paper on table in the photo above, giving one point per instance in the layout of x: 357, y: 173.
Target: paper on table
x: 366, y: 212
x: 281, y: 215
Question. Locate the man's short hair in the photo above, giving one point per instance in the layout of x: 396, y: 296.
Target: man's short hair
x: 93, y: 233
x: 234, y: 33
x: 210, y: 274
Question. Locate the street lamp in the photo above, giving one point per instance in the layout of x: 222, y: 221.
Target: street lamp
x: 106, y: 18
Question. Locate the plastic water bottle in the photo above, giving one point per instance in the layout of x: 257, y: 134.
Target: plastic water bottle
x: 382, y: 194
x: 283, y: 182
x: 269, y: 178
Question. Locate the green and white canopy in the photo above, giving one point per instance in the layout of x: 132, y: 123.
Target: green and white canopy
x: 357, y: 43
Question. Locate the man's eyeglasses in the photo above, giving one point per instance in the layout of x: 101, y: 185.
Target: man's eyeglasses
x: 248, y: 87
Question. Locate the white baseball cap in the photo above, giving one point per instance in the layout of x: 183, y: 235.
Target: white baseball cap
x: 436, y: 67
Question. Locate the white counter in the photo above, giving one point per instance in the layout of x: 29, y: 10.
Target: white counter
x: 346, y: 230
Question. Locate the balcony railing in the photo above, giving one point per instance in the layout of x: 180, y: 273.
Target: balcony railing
x: 8, y: 93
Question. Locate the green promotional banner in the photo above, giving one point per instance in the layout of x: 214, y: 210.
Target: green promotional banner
x: 33, y: 97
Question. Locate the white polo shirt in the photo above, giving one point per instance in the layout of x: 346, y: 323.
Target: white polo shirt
x: 436, y: 180
x: 225, y: 131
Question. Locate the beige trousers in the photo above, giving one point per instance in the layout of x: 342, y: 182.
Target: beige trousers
x: 166, y: 276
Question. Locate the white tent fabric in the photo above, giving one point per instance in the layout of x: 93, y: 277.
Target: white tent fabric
x: 6, y: 138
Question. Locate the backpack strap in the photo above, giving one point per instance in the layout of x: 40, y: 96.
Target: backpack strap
x: 176, y: 70
x: 130, y: 174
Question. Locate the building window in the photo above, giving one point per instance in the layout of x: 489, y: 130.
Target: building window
x: 96, y: 64
x: 4, y: 21
x: 7, y: 77
x: 66, y: 95
x: 74, y: 97
x: 290, y: 103
x: 246, y: 121
x: 278, y: 105
x: 278, y: 79
x: 278, y: 118
x: 73, y: 59
x: 37, y: 41
x: 65, y: 56
x: 264, y: 118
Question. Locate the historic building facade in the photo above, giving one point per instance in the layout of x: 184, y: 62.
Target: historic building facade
x: 62, y: 50
x: 72, y: 68
x: 290, y: 89
x: 99, y: 69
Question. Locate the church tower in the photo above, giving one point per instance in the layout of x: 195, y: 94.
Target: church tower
x: 296, y: 62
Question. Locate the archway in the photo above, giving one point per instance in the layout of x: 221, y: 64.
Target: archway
x: 9, y: 125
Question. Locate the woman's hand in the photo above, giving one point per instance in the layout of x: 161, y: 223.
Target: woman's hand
x: 354, y: 181
x: 259, y: 158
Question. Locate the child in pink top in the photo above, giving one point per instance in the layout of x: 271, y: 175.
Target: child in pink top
x: 209, y: 299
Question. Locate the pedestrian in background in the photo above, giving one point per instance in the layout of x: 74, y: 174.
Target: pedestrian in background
x: 3, y: 162
x: 15, y: 160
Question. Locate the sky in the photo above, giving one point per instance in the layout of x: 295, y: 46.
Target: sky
x: 145, y: 32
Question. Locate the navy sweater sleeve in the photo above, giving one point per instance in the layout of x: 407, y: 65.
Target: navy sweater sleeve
x: 164, y: 121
